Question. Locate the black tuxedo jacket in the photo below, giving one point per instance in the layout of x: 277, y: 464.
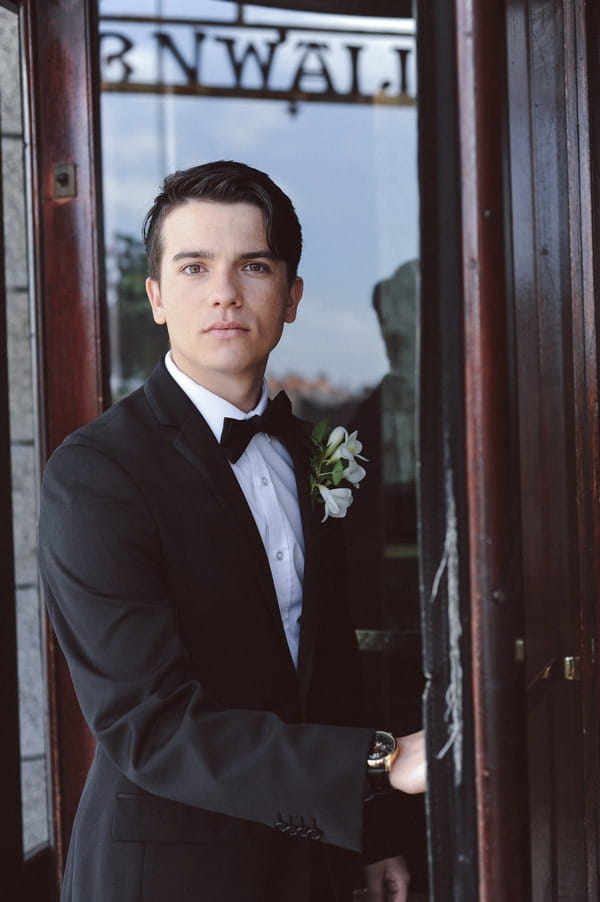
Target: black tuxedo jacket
x: 218, y: 767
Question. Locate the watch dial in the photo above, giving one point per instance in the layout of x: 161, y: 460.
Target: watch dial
x: 383, y: 745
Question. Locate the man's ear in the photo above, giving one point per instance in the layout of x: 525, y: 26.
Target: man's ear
x: 153, y: 292
x: 294, y: 298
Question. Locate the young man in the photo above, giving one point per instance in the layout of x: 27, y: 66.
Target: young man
x: 199, y: 601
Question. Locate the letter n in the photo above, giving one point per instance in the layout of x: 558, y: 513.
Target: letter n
x: 191, y: 71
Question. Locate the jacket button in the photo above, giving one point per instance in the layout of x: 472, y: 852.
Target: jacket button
x: 314, y: 833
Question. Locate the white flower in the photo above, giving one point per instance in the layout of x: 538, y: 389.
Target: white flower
x: 337, y: 501
x: 351, y: 447
x: 354, y: 473
x: 337, y: 438
x: 334, y: 460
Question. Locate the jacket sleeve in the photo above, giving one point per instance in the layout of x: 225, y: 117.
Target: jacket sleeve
x: 100, y: 559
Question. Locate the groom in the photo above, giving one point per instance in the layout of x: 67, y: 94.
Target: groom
x: 200, y: 603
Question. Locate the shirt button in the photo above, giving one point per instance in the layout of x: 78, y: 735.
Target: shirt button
x: 264, y: 480
x: 279, y: 555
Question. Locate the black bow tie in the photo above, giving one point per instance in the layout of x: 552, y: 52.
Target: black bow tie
x: 277, y: 420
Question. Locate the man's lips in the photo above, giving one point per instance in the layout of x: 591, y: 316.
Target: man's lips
x: 227, y: 328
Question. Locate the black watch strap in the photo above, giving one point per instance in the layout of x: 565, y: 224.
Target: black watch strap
x: 378, y: 781
x: 383, y: 751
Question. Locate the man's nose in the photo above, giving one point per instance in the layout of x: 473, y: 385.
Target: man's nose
x: 225, y: 289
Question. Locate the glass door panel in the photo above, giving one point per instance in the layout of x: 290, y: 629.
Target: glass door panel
x: 326, y: 104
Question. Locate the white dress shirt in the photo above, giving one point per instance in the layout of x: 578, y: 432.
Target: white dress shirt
x: 266, y: 477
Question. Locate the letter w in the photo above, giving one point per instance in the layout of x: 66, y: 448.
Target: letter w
x: 238, y: 65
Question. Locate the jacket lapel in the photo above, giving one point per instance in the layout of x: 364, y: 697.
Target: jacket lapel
x: 194, y: 440
x: 310, y: 610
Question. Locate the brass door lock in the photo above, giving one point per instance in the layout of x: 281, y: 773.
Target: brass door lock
x: 568, y: 668
x: 565, y: 669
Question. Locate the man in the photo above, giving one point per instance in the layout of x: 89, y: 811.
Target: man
x: 199, y: 602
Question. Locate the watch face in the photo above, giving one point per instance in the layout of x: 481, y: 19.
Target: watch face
x: 383, y: 745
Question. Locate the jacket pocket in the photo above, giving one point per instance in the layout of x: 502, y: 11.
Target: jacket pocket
x: 145, y: 818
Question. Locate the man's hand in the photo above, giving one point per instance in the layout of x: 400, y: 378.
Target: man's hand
x: 409, y: 771
x: 387, y: 881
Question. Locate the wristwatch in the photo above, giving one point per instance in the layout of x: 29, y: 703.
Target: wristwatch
x: 382, y: 755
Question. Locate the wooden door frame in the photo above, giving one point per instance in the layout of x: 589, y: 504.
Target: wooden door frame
x: 469, y: 490
x: 60, y: 39
x: 589, y: 432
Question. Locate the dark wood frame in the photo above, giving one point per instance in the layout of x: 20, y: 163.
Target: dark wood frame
x: 399, y: 8
x: 62, y: 59
x: 590, y: 21
x: 492, y: 456
x: 469, y: 489
x: 442, y: 476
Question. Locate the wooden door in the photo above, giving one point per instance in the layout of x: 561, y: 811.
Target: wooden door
x: 509, y: 449
x: 556, y: 365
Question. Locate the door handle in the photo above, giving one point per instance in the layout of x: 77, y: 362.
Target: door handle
x: 568, y: 668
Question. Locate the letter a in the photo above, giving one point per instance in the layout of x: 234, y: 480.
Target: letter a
x: 320, y: 72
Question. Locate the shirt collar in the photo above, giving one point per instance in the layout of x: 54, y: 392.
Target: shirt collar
x: 213, y: 408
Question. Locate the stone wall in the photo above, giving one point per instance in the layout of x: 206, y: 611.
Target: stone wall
x: 23, y: 434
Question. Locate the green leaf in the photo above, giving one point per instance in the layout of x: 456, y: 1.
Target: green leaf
x: 320, y: 431
x: 337, y: 473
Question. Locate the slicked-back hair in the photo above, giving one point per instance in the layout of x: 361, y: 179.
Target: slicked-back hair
x: 226, y: 181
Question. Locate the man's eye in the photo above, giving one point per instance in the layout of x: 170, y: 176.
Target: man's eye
x: 257, y: 267
x: 192, y: 269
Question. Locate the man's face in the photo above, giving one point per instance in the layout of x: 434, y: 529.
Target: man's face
x: 222, y: 294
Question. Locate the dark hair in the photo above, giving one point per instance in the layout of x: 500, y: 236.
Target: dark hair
x: 227, y: 182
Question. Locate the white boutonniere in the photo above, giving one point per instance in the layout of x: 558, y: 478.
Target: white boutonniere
x: 334, y: 460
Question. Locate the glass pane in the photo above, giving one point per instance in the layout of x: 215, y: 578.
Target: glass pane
x: 23, y: 437
x: 349, y: 167
x: 326, y: 104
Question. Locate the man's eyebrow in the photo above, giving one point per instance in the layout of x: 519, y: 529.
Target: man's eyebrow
x: 193, y: 255
x: 264, y: 254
